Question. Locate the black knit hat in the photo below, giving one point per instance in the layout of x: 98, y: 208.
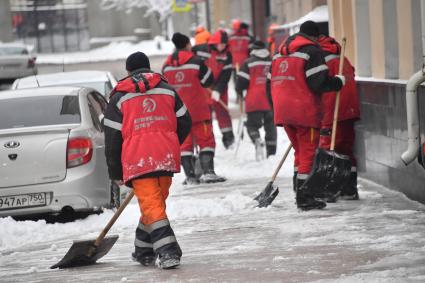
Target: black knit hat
x: 310, y: 28
x: 137, y: 60
x: 258, y: 44
x: 244, y: 26
x: 180, y: 40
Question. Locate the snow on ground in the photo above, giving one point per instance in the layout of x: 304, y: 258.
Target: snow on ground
x: 225, y: 239
x: 111, y: 52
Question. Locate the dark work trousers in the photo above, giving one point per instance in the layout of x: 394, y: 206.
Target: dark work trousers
x: 258, y: 119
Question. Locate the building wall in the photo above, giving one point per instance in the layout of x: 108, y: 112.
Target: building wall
x: 385, y: 41
x: 381, y: 138
x: 110, y: 23
x: 224, y: 11
x: 341, y: 25
x: 286, y: 11
x: 5, y: 22
x: 384, y: 36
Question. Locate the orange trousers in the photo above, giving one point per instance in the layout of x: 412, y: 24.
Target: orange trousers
x: 151, y: 194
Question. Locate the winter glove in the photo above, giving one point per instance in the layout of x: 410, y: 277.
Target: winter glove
x: 215, y: 95
x: 342, y: 78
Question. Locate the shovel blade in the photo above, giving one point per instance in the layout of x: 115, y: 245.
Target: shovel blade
x: 267, y: 196
x: 84, y: 253
x: 330, y: 171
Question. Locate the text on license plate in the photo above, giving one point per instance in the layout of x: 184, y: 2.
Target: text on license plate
x: 26, y: 200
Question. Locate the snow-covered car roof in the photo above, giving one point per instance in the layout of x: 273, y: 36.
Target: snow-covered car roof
x: 63, y: 78
x: 42, y: 91
x: 102, y: 81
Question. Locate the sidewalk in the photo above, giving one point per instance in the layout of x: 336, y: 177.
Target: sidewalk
x: 379, y: 238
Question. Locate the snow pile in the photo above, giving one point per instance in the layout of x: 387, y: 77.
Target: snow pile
x: 113, y: 51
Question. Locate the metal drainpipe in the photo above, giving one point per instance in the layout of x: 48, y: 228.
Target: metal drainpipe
x: 412, y: 107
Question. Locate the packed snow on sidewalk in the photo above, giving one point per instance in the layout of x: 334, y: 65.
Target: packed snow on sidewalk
x: 113, y: 51
x: 224, y: 238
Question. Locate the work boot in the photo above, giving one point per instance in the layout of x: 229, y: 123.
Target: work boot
x: 349, y: 191
x: 189, y: 171
x: 228, y: 139
x: 294, y: 181
x: 207, y: 164
x: 144, y: 252
x: 270, y: 150
x: 305, y: 197
x: 165, y: 244
x: 143, y: 258
x: 259, y: 149
x: 168, y: 261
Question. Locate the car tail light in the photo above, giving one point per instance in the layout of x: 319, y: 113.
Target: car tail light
x: 79, y: 152
x: 31, y: 62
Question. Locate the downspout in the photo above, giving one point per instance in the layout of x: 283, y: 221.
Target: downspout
x: 412, y: 107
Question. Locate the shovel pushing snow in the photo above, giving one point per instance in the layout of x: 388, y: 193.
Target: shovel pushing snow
x: 266, y: 197
x: 87, y: 252
x: 330, y: 169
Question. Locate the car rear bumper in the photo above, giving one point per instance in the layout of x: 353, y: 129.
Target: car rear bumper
x: 82, y: 190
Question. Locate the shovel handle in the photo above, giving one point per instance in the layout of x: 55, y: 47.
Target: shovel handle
x: 223, y: 104
x: 281, y: 162
x: 114, y: 218
x: 219, y: 101
x: 337, y: 97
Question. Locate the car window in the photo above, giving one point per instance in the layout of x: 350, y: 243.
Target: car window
x: 96, y: 110
x: 108, y: 88
x: 12, y: 50
x: 39, y: 111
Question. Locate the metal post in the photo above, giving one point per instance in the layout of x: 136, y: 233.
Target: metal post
x: 78, y: 27
x: 196, y: 14
x: 207, y: 8
x: 65, y: 37
x: 37, y: 33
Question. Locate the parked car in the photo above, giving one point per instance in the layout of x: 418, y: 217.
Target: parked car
x: 16, y: 61
x: 52, y: 152
x: 101, y: 81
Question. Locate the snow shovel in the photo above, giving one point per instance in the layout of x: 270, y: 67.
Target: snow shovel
x: 241, y: 127
x: 266, y: 197
x: 330, y: 169
x: 87, y: 252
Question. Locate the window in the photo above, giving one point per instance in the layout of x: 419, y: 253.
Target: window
x: 97, y: 106
x: 39, y: 111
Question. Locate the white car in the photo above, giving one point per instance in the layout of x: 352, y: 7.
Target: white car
x: 101, y: 81
x: 16, y: 61
x: 52, y: 156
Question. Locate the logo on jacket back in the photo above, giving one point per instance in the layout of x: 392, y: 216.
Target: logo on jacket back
x: 283, y: 66
x: 179, y: 77
x: 149, y: 105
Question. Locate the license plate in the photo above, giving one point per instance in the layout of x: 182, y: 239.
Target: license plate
x: 21, y: 201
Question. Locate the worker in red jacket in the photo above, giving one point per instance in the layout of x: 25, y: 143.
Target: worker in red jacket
x: 188, y: 74
x: 252, y: 77
x: 145, y: 123
x: 349, y: 112
x: 239, y: 43
x: 298, y: 77
x: 218, y: 58
x: 271, y: 39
